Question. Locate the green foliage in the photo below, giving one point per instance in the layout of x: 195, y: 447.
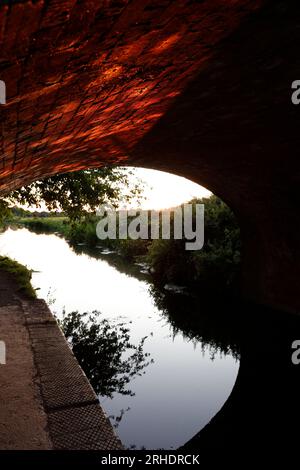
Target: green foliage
x: 169, y: 260
x: 46, y: 224
x: 132, y: 249
x: 83, y: 232
x: 20, y: 212
x: 4, y: 211
x: 215, y: 266
x: 21, y: 274
x: 100, y: 348
x: 78, y: 193
x: 218, y: 263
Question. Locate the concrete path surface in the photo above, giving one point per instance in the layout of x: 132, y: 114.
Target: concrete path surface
x: 46, y: 401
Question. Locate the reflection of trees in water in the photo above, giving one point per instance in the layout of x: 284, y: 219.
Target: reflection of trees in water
x: 104, y: 351
x: 213, y: 322
x: 212, y: 319
x: 117, y: 419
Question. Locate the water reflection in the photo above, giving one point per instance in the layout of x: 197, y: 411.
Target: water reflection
x: 209, y: 321
x: 104, y: 351
x: 184, y: 388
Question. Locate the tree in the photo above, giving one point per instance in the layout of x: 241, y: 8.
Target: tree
x: 4, y: 210
x: 216, y: 266
x: 78, y: 193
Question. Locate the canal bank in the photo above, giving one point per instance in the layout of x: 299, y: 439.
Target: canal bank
x: 47, y: 401
x: 194, y: 367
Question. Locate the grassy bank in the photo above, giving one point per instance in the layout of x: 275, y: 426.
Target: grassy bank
x: 213, y: 268
x: 45, y: 224
x: 21, y: 274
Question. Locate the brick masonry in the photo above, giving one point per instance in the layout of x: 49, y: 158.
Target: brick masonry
x: 201, y: 88
x: 86, y: 80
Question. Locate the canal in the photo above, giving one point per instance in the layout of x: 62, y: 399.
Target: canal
x: 187, y: 381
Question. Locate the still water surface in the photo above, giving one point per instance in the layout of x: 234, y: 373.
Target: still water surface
x: 181, y: 391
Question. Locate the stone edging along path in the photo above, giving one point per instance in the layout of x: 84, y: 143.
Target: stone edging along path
x: 46, y: 400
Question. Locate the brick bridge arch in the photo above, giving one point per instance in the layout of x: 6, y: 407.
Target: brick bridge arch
x: 198, y: 88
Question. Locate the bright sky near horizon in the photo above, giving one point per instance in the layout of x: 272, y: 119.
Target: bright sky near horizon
x: 162, y: 190
x: 166, y: 190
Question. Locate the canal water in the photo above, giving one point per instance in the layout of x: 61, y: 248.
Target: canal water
x: 188, y: 381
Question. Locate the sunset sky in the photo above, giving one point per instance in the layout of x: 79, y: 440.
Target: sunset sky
x: 162, y: 190
x: 166, y: 190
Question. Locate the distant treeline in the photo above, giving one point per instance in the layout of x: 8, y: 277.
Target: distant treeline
x: 20, y: 212
x: 214, y: 267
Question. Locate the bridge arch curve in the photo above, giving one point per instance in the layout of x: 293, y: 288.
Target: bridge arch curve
x: 200, y: 89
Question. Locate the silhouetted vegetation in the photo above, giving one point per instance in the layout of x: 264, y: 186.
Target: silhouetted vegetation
x: 104, y: 351
x: 77, y: 194
x: 213, y: 268
x: 203, y: 319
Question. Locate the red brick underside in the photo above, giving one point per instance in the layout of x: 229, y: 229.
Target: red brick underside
x: 87, y: 80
